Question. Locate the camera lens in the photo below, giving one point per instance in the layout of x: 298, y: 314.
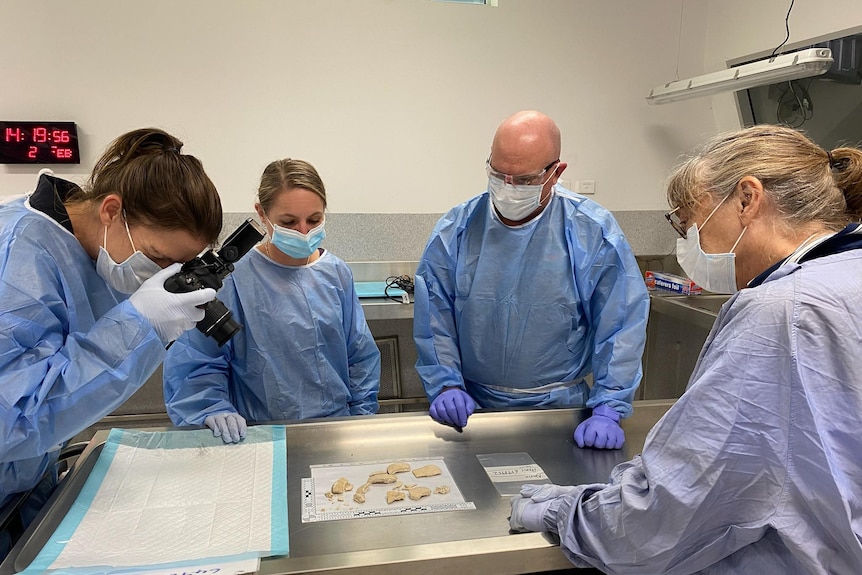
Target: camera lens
x: 218, y: 322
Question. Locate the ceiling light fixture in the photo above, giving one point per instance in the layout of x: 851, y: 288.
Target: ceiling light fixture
x: 790, y: 66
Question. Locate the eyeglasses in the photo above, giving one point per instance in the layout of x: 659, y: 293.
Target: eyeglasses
x: 675, y: 222
x: 525, y: 180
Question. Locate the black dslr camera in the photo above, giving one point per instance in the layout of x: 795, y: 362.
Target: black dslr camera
x: 209, y: 270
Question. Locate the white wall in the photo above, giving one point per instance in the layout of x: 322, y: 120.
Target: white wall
x: 394, y: 101
x: 738, y: 29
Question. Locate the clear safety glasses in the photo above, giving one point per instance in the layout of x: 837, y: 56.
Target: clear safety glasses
x: 525, y: 180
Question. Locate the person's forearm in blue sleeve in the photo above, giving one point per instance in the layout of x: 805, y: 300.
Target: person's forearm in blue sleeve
x: 619, y: 307
x: 53, y: 394
x: 196, y: 379
x: 439, y: 358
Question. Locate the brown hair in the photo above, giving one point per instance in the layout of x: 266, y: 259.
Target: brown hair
x: 287, y: 174
x: 159, y: 185
x: 806, y: 183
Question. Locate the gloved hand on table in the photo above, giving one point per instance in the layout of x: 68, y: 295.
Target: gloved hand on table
x: 535, y: 509
x: 547, y: 491
x: 230, y: 426
x: 601, y: 430
x: 171, y: 314
x: 452, y: 407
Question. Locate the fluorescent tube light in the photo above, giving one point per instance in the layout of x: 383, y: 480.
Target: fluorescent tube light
x: 792, y: 66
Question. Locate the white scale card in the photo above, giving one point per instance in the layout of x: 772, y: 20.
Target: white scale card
x: 317, y: 506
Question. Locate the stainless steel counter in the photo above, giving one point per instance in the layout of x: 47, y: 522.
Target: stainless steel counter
x: 676, y: 331
x: 697, y: 310
x: 382, y: 308
x: 377, y: 308
x: 453, y: 541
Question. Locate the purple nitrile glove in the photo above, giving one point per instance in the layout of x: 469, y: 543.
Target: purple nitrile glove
x: 452, y: 407
x: 601, y: 430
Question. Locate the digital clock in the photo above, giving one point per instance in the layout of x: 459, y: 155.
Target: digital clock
x: 39, y: 143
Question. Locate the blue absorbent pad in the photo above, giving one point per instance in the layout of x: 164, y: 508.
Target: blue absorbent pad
x: 174, y: 499
x: 376, y: 289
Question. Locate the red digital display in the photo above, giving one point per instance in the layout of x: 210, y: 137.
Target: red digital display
x: 39, y: 143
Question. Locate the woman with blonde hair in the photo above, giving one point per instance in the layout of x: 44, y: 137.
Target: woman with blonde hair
x: 756, y: 468
x: 305, y: 350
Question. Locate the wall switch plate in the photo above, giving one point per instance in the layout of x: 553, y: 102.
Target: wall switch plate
x: 585, y: 187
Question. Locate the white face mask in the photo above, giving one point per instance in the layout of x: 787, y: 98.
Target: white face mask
x: 712, y: 272
x: 125, y: 277
x: 516, y: 202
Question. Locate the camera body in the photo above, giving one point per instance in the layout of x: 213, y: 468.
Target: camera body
x: 209, y: 271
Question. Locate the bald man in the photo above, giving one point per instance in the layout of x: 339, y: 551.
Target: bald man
x: 527, y: 289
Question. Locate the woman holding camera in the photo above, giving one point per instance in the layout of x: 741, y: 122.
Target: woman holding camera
x: 84, y: 316
x: 305, y: 349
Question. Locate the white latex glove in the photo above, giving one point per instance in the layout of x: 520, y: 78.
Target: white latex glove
x: 547, y: 491
x: 535, y: 504
x: 171, y: 314
x: 528, y: 515
x: 230, y: 426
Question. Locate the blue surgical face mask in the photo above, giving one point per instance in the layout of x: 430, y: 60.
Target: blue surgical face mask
x: 296, y: 244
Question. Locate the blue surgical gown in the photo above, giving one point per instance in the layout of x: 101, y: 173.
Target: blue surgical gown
x: 502, y: 310
x: 305, y: 349
x: 72, y: 350
x: 756, y: 469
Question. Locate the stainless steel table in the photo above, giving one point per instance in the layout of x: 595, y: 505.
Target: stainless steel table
x: 380, y: 308
x: 454, y: 541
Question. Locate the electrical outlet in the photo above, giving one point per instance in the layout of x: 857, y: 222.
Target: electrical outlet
x: 585, y: 187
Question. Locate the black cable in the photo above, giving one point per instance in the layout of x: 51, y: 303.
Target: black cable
x: 801, y: 108
x: 402, y: 282
x: 787, y: 28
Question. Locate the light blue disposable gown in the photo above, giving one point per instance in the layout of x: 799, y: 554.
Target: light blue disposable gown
x: 72, y: 350
x: 501, y: 310
x: 304, y: 351
x: 756, y: 469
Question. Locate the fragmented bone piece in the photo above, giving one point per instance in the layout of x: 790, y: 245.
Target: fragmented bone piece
x: 429, y: 470
x: 417, y: 493
x: 382, y: 478
x: 328, y: 495
x: 397, y: 485
x: 441, y: 489
x: 398, y: 467
x: 392, y: 496
x: 340, y: 497
x: 359, y: 496
x: 381, y: 472
x: 409, y: 486
x: 341, y: 485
